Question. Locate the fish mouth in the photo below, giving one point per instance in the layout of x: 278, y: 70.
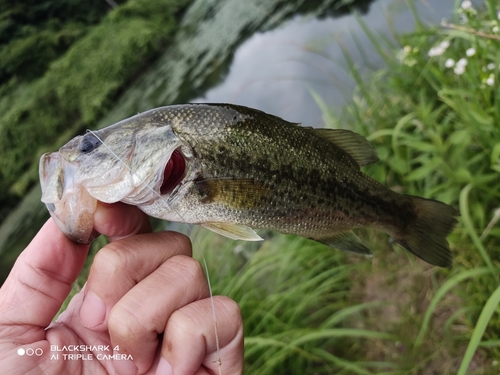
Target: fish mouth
x: 72, y: 203
x: 71, y: 207
x: 173, y: 173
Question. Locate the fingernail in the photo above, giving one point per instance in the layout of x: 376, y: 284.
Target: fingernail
x: 124, y: 366
x: 93, y: 311
x: 164, y: 368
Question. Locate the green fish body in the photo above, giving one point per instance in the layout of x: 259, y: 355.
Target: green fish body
x: 231, y: 169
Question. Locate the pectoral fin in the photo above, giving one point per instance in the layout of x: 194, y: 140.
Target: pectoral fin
x: 233, y: 231
x: 236, y: 193
x: 346, y: 241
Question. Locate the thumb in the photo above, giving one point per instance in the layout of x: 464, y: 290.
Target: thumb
x: 39, y: 283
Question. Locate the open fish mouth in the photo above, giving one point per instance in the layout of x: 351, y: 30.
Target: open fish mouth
x: 69, y: 204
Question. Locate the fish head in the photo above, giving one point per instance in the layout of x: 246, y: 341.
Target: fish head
x: 71, y: 206
x: 135, y: 161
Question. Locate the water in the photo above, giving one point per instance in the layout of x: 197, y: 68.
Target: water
x: 259, y: 53
x: 275, y: 71
x: 205, y: 45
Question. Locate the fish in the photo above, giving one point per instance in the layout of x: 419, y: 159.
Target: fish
x: 234, y: 169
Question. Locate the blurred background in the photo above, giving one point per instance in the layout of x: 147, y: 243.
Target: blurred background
x: 367, y: 65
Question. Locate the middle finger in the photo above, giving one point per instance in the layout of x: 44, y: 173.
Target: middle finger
x: 120, y: 265
x: 141, y: 315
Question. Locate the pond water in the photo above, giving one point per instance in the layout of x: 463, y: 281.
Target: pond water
x: 276, y: 70
x: 264, y: 54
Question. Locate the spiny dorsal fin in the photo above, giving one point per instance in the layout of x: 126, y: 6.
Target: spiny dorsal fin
x: 233, y: 231
x: 345, y: 241
x: 237, y: 193
x: 354, y: 144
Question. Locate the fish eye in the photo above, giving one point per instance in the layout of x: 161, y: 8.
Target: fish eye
x: 89, y: 143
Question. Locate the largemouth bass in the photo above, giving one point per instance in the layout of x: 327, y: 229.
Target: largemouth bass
x: 230, y: 169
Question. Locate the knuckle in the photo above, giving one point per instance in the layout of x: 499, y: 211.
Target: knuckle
x: 110, y: 258
x: 122, y: 323
x: 181, y: 241
x: 181, y: 322
x: 230, y: 309
x: 188, y: 269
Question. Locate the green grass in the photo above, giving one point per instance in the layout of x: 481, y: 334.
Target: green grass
x: 294, y: 297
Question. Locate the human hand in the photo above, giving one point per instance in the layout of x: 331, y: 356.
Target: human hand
x: 146, y: 299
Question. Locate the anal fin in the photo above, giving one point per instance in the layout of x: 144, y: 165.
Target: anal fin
x: 233, y: 231
x: 345, y: 241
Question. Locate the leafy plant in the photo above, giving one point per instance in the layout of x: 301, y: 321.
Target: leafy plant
x: 433, y: 116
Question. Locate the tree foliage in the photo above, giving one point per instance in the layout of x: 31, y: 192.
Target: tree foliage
x: 77, y: 87
x: 34, y: 33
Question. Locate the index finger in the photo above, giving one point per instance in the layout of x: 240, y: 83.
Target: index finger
x: 120, y: 220
x: 42, y: 276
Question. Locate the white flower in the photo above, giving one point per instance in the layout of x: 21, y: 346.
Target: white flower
x: 470, y: 52
x: 490, y: 81
x: 444, y: 44
x: 462, y: 62
x: 436, y: 51
x: 466, y: 4
x: 495, y: 29
x: 439, y: 49
x: 459, y: 69
x: 491, y: 66
x: 407, y: 49
x: 498, y: 14
x: 450, y: 63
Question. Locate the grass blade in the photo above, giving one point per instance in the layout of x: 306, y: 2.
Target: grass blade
x: 482, y: 322
x: 467, y: 222
x: 445, y: 288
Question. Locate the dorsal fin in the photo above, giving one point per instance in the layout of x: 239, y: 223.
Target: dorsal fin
x: 354, y: 144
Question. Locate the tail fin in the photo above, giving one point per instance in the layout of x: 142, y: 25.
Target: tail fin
x: 426, y: 237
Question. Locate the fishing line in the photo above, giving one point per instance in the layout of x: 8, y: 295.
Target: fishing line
x: 190, y: 230
x: 214, y: 316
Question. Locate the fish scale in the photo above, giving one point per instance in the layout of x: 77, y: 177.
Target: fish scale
x: 241, y: 169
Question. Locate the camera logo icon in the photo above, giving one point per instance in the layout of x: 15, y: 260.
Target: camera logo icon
x: 30, y: 352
